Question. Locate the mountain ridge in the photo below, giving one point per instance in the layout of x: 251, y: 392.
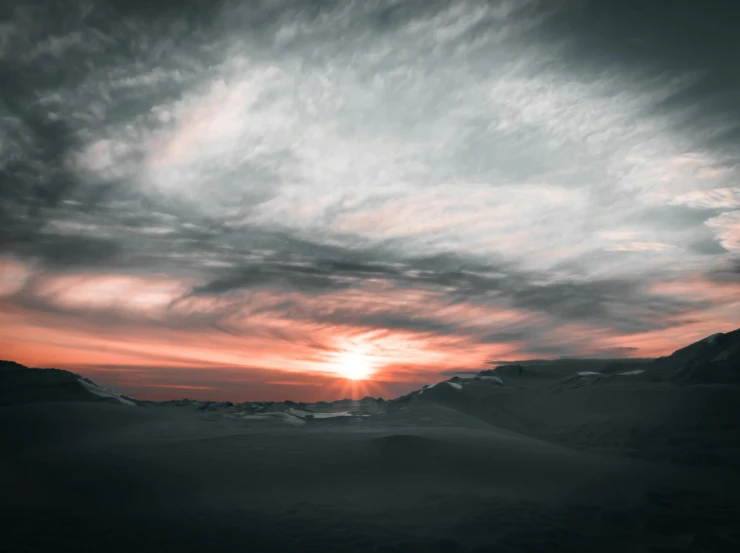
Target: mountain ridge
x: 714, y: 359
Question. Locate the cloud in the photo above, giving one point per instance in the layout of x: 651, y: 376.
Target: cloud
x: 727, y: 227
x: 689, y: 40
x: 727, y: 198
x: 296, y: 176
x: 108, y: 292
x: 13, y: 276
x: 640, y: 247
x: 726, y: 272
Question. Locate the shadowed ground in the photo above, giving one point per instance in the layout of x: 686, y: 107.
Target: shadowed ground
x: 105, y: 476
x: 520, y: 460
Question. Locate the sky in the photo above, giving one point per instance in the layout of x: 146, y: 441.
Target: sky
x: 239, y: 200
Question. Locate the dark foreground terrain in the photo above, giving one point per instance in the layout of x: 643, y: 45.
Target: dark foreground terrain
x: 636, y: 457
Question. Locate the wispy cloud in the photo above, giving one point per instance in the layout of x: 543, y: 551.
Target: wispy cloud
x: 727, y: 198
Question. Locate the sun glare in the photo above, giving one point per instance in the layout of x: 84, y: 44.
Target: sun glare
x: 354, y: 366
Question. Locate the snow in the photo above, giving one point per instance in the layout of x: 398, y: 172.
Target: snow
x: 102, y: 392
x: 255, y: 417
x: 330, y: 415
x: 632, y: 373
x: 290, y: 419
x: 299, y: 412
x: 430, y: 386
x: 285, y: 417
x: 589, y: 373
x: 495, y: 379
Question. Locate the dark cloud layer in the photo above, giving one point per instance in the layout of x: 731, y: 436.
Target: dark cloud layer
x: 683, y: 37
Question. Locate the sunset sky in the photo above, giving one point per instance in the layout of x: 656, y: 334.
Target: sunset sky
x: 238, y: 200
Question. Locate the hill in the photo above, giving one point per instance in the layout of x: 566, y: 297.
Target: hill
x: 20, y: 385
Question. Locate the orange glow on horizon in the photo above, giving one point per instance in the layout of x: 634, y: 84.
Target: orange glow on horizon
x: 357, y: 389
x: 139, y: 333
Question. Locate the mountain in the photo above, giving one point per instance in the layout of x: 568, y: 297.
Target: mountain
x: 683, y: 408
x: 20, y: 385
x: 715, y: 359
x: 558, y: 368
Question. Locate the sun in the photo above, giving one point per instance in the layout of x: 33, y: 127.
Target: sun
x: 353, y: 366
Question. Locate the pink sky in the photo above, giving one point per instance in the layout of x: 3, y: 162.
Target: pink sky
x: 146, y: 337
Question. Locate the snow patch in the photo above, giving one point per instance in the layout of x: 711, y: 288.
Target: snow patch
x: 331, y: 415
x: 427, y: 387
x: 299, y: 412
x: 589, y: 373
x: 455, y: 385
x: 495, y: 379
x: 285, y: 417
x: 632, y: 373
x: 290, y: 419
x: 103, y: 392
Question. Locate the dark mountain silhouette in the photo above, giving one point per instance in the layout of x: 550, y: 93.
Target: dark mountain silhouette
x: 683, y: 408
x: 558, y: 368
x: 715, y: 359
x: 20, y: 385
